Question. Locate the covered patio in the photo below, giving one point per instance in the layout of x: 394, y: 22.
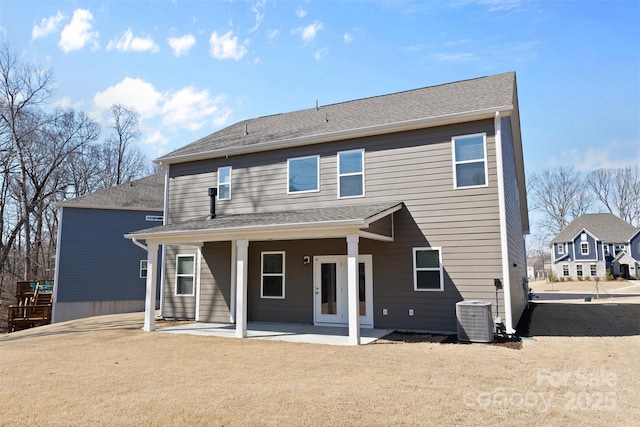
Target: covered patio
x: 351, y: 222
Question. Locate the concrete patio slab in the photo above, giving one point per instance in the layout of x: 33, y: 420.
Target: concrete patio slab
x: 290, y: 332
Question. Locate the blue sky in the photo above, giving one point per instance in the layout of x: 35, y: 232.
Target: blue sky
x: 192, y: 67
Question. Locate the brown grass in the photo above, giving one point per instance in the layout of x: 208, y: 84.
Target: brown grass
x: 581, y: 369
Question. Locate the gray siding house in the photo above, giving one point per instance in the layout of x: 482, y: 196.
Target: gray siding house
x: 593, y: 243
x: 380, y: 212
x: 98, y: 271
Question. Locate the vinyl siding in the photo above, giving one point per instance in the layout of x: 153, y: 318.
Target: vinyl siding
x: 215, y: 282
x: 177, y: 306
x: 96, y: 262
x: 517, y: 262
x: 415, y: 167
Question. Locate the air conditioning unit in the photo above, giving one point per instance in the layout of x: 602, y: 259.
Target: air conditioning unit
x: 474, y: 321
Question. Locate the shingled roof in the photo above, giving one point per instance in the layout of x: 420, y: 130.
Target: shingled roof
x: 316, y: 217
x: 142, y: 194
x: 353, y: 118
x: 605, y: 227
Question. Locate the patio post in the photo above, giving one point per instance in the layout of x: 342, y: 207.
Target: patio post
x: 150, y: 296
x: 353, y: 289
x: 241, y: 287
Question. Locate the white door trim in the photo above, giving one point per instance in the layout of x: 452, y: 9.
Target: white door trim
x: 342, y: 318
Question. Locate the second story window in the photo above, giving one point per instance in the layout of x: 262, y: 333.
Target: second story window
x: 560, y: 248
x: 584, y: 248
x: 351, y: 173
x: 224, y: 183
x: 470, y: 161
x: 303, y: 174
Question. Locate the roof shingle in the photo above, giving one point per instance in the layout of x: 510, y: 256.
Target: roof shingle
x: 605, y: 227
x: 142, y: 194
x: 491, y: 92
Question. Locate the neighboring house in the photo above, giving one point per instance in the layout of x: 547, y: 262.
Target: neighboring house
x: 98, y: 271
x: 593, y: 243
x: 538, y: 267
x: 380, y: 212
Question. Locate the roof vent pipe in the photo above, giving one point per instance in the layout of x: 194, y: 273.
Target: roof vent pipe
x: 246, y: 128
x: 317, y: 108
x: 213, y: 192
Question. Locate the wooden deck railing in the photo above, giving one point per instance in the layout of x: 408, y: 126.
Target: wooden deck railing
x: 34, y: 304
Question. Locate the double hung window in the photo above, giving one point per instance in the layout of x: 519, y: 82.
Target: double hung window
x: 470, y: 161
x: 224, y: 183
x: 272, y: 272
x: 351, y: 173
x: 143, y: 268
x: 427, y: 269
x: 185, y: 274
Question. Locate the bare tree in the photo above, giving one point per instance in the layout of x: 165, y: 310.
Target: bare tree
x: 34, y: 147
x: 561, y: 196
x: 618, y: 190
x: 121, y: 160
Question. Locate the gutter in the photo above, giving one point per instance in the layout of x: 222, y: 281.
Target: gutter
x: 486, y: 113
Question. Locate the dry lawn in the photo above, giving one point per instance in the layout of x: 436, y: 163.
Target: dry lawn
x: 580, y: 368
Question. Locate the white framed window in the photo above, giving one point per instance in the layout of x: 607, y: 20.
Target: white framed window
x: 606, y: 249
x: 618, y: 248
x: 470, y: 161
x: 143, y: 268
x: 303, y: 174
x: 584, y: 248
x: 224, y: 183
x: 350, y: 173
x: 565, y: 270
x: 560, y: 248
x: 593, y: 270
x: 579, y: 272
x: 427, y: 269
x: 272, y: 275
x: 185, y: 274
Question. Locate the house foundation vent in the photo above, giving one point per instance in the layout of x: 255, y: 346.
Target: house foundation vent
x: 474, y: 321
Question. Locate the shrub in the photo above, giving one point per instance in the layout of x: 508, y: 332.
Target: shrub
x: 552, y: 277
x: 609, y: 275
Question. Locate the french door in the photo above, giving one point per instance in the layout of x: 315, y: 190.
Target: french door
x: 331, y: 293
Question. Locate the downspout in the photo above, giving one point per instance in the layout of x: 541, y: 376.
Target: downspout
x: 504, y: 241
x: 138, y: 244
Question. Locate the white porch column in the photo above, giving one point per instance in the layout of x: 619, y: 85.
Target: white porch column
x: 242, y: 259
x: 152, y: 279
x: 353, y: 290
x: 232, y: 292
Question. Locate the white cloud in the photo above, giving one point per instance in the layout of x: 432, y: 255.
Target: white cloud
x: 318, y: 54
x: 191, y: 109
x: 133, y: 93
x: 615, y: 155
x: 309, y: 33
x: 259, y: 15
x: 347, y: 38
x: 226, y: 46
x: 156, y: 138
x: 47, y: 26
x: 77, y: 33
x: 129, y: 43
x: 162, y: 114
x: 300, y: 12
x: 181, y: 45
x: 272, y: 34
